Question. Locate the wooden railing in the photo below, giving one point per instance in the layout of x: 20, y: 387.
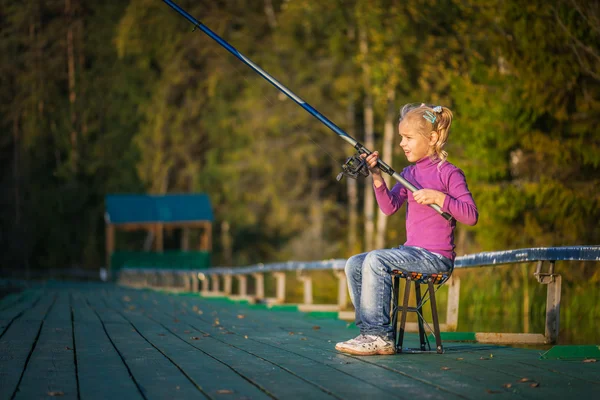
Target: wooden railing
x: 218, y: 282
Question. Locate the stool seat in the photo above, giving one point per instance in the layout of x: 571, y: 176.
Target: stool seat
x: 422, y: 278
x: 418, y: 278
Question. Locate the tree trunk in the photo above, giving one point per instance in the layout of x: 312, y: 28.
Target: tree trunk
x: 226, y: 243
x: 74, y: 156
x: 369, y: 140
x: 352, y: 189
x: 388, y: 140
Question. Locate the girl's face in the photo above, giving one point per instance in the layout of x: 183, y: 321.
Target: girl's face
x: 415, y: 145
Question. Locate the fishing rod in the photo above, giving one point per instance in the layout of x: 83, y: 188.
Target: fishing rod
x: 354, y: 165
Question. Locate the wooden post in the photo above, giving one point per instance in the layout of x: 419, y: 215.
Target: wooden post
x: 453, y: 302
x: 185, y: 239
x: 342, y: 289
x: 260, y: 285
x: 205, y: 282
x: 553, y: 309
x: 158, y: 231
x: 227, y: 284
x: 206, y: 237
x: 280, y: 291
x: 243, y: 285
x: 307, y: 280
x: 194, y: 278
x: 110, y: 246
x: 214, y: 280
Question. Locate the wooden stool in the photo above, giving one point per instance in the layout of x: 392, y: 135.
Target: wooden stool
x: 418, y: 279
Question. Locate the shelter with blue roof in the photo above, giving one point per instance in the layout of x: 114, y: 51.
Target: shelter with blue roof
x: 156, y: 213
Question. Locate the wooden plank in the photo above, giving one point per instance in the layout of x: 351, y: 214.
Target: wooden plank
x: 51, y: 367
x: 275, y: 380
x: 330, y: 371
x: 15, y: 347
x: 98, y: 361
x: 418, y: 381
x: 29, y: 299
x: 154, y: 373
x: 215, y: 378
x: 18, y: 343
x: 510, y: 373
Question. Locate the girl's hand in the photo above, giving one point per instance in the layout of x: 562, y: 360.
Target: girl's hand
x: 429, y: 196
x: 371, y: 160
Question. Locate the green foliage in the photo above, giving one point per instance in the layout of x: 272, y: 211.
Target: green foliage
x: 160, y: 109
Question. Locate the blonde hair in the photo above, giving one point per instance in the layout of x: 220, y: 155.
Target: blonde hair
x: 429, y: 118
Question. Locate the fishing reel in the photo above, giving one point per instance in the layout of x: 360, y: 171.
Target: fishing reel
x: 354, y: 167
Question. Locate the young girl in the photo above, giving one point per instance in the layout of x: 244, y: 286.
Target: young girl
x: 429, y: 247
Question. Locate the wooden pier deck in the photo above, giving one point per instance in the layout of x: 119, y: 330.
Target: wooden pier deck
x: 101, y: 341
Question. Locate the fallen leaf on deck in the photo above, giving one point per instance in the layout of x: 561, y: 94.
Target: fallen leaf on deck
x: 206, y: 334
x: 445, y: 368
x: 507, y: 385
x: 460, y: 358
x: 241, y: 316
x: 224, y: 391
x: 200, y: 312
x: 195, y: 338
x: 176, y: 320
x: 303, y: 338
x: 68, y: 348
x: 483, y: 358
x: 534, y: 384
x: 316, y: 327
x: 126, y: 298
x: 187, y: 331
x: 245, y: 336
x: 291, y: 333
x: 589, y: 360
x: 56, y: 393
x: 216, y: 322
x: 524, y: 380
x: 492, y: 391
x: 177, y: 387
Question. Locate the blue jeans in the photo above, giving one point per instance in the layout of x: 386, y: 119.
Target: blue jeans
x: 370, y: 282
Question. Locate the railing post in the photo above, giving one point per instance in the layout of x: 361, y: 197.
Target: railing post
x: 342, y: 289
x: 554, y: 282
x: 187, y: 281
x: 243, y: 285
x: 553, y: 309
x: 227, y: 284
x: 307, y: 280
x: 214, y: 280
x: 259, y: 286
x: 205, y: 282
x: 195, y: 282
x: 280, y: 290
x: 453, y: 302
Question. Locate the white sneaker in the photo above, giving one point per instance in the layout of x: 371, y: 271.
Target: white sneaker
x: 368, y: 345
x: 341, y: 345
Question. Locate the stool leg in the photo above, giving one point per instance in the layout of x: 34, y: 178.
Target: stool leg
x: 404, y: 311
x: 395, y: 299
x: 436, y: 323
x: 420, y: 316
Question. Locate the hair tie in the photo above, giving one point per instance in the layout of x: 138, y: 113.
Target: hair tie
x: 437, y: 109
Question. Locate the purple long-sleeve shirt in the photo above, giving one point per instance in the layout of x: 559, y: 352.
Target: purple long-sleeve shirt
x: 424, y: 226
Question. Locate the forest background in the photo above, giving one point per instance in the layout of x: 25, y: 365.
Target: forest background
x: 121, y: 97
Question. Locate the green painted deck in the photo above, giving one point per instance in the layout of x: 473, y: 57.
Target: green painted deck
x: 100, y: 341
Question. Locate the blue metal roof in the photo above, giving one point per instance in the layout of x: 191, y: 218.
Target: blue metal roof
x: 131, y: 208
